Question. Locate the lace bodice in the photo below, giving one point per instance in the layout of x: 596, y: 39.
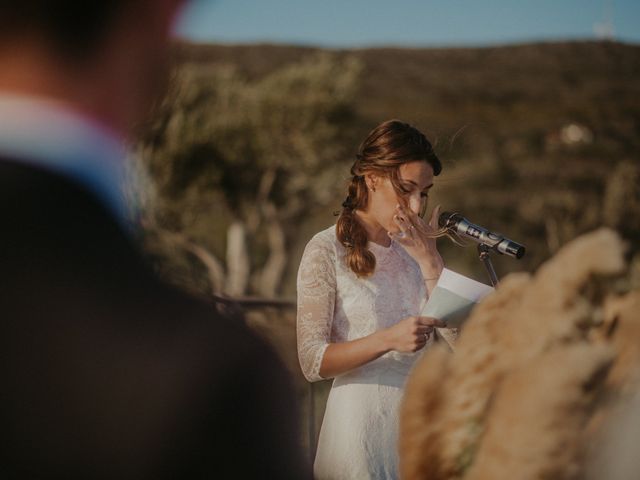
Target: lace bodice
x: 334, y: 305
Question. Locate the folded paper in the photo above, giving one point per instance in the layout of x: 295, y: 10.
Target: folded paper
x: 453, y: 298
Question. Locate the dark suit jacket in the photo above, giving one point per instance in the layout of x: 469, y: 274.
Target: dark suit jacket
x: 107, y: 372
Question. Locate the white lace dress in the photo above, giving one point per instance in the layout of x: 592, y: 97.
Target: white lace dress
x: 358, y: 438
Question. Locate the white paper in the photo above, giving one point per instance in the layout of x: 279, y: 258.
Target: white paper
x: 453, y: 298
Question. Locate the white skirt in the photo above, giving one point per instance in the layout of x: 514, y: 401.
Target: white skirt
x: 359, y: 433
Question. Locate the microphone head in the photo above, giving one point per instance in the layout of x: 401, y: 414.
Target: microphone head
x: 446, y: 219
x: 511, y: 248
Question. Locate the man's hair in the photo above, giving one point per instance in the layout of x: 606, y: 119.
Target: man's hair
x: 73, y: 28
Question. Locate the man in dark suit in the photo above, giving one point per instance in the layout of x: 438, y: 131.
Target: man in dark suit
x: 106, y: 372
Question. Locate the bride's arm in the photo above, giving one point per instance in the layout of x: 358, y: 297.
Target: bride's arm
x: 316, y: 288
x: 341, y: 357
x: 318, y: 357
x: 407, y: 335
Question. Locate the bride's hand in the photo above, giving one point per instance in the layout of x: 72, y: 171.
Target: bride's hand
x: 411, y: 334
x: 417, y: 238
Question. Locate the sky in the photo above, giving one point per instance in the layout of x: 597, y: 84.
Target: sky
x: 417, y: 23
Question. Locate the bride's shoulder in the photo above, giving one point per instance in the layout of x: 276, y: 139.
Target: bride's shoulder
x: 325, y: 237
x: 328, y: 235
x: 325, y: 241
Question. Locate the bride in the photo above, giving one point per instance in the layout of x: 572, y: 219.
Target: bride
x: 361, y: 285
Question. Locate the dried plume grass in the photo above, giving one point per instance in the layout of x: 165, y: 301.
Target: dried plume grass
x: 516, y: 398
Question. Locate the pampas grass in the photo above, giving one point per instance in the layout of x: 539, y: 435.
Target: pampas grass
x: 536, y: 362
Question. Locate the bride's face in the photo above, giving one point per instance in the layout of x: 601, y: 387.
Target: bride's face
x: 414, y: 178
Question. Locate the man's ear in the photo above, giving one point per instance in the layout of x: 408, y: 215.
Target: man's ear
x: 159, y: 17
x: 174, y: 9
x: 167, y: 13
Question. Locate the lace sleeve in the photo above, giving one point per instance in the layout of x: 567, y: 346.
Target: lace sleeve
x: 316, y: 298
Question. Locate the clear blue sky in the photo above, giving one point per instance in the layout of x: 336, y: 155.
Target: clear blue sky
x: 357, y: 23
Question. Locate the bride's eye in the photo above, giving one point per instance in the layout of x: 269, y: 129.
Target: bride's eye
x: 404, y: 190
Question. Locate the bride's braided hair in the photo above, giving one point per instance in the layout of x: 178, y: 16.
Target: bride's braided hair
x: 387, y: 146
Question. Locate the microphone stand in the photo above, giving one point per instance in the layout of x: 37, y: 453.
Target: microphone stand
x: 483, y: 253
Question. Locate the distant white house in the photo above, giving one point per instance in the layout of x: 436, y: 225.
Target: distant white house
x: 569, y: 135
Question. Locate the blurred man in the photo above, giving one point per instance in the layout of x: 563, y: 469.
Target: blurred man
x: 106, y: 372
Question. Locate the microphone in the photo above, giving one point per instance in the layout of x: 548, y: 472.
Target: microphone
x: 463, y: 227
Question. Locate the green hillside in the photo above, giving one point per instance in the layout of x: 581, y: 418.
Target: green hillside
x: 540, y: 142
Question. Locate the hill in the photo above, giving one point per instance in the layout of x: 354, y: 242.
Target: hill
x: 539, y: 141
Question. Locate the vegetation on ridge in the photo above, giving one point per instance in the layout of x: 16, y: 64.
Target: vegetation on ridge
x: 540, y: 142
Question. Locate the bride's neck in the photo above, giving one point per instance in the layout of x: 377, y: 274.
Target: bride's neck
x: 375, y: 232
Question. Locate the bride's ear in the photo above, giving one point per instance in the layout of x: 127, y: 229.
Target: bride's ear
x: 371, y: 179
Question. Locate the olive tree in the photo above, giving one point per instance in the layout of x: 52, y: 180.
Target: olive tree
x: 233, y: 165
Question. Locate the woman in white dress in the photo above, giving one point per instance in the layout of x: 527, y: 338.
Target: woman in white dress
x: 361, y: 286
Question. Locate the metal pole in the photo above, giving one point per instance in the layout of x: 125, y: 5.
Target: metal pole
x: 483, y: 253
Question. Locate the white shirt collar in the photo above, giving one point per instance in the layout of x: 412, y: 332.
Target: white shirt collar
x: 48, y: 134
